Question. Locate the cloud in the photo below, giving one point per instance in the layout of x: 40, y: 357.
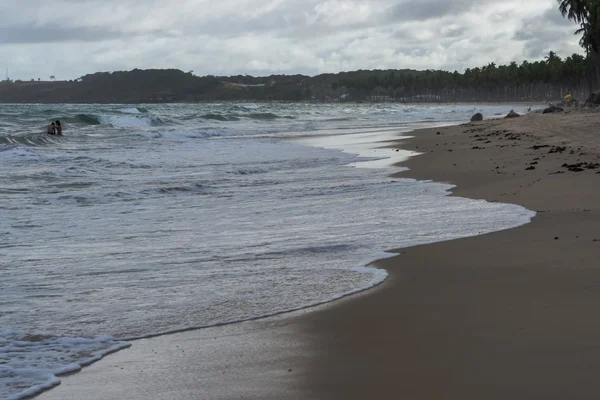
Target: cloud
x: 278, y: 36
x: 546, y: 32
x: 25, y: 34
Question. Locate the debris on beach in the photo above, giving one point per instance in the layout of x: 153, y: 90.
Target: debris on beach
x: 581, y: 166
x: 552, y: 109
x: 557, y: 149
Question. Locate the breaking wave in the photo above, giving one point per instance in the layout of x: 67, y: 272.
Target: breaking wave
x: 134, y: 110
x: 42, y: 358
x: 237, y: 116
x: 87, y: 119
x: 220, y: 117
x: 124, y: 119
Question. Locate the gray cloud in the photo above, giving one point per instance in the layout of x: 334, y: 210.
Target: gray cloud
x: 430, y: 9
x: 31, y: 34
x: 544, y: 33
x: 453, y: 31
x: 278, y: 36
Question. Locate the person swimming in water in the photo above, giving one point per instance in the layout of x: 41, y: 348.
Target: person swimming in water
x: 51, y: 129
x: 58, y: 128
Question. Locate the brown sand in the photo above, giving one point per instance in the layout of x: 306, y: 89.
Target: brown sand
x: 252, y: 360
x: 509, y: 315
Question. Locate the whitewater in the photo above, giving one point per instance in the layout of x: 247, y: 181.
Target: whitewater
x: 150, y: 219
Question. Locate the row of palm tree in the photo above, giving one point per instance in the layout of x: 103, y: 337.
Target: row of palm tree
x: 548, y: 79
x: 544, y: 79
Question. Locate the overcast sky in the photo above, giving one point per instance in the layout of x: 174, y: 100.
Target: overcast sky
x: 69, y: 38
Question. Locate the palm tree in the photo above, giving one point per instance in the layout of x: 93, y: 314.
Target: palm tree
x: 587, y: 14
x: 574, y: 10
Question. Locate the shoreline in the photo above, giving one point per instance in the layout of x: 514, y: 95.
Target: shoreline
x: 330, y: 367
x: 495, y: 316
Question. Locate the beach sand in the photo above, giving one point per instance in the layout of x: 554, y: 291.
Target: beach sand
x: 508, y: 315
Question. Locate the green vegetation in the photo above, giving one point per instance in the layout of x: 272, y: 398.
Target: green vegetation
x: 548, y: 79
x: 587, y: 14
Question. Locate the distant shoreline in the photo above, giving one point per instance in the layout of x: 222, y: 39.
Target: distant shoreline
x: 483, y: 103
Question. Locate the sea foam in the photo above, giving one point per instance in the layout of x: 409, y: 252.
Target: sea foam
x: 138, y: 223
x: 32, y: 362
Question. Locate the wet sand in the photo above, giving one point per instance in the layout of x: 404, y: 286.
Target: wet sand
x: 511, y: 314
x: 508, y: 315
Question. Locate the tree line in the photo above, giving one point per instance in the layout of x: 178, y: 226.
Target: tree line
x: 549, y: 79
x: 586, y: 13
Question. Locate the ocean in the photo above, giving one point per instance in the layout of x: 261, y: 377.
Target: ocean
x: 149, y: 219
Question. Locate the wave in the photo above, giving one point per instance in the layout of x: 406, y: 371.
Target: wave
x: 131, y: 121
x: 134, y: 110
x: 178, y: 135
x: 220, y: 117
x: 234, y: 109
x: 123, y: 119
x: 183, y: 189
x: 33, y: 361
x: 31, y: 139
x: 53, y: 356
x: 236, y: 117
x: 87, y: 119
x: 249, y: 171
x: 140, y: 117
x: 51, y: 112
x: 264, y: 116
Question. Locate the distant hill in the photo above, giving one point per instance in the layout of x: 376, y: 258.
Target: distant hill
x: 543, y: 80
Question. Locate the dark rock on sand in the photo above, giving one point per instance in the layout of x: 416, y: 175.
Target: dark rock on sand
x: 530, y: 168
x: 552, y: 109
x: 477, y: 117
x: 539, y: 146
x: 512, y: 114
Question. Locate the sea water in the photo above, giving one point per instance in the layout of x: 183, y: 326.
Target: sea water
x: 150, y: 219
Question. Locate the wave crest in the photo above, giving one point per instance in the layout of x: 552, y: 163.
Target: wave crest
x: 87, y: 119
x: 220, y: 117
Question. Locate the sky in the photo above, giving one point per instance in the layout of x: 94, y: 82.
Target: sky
x: 70, y: 38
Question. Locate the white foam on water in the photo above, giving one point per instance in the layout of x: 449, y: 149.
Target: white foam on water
x: 129, y: 110
x: 378, y: 277
x: 48, y: 382
x: 173, y: 246
x: 31, y: 363
x: 125, y: 121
